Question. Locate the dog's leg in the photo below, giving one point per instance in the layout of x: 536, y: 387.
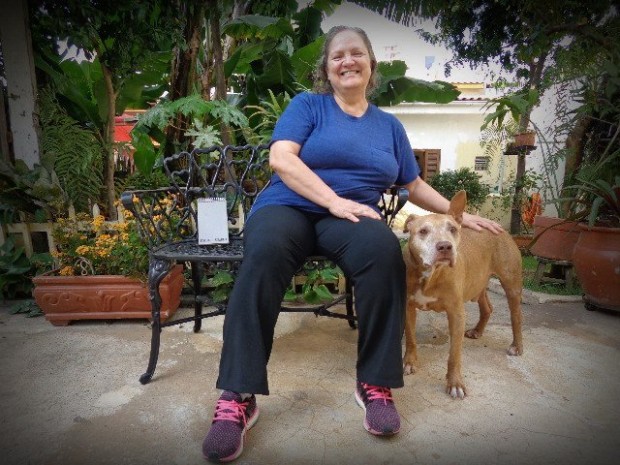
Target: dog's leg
x: 410, y: 361
x: 486, y: 308
x: 456, y: 325
x: 514, y: 304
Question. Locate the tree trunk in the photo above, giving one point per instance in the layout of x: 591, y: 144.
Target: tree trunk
x: 108, y: 174
x: 183, y: 74
x: 221, y: 87
x: 574, y: 156
x: 536, y: 69
x: 19, y: 72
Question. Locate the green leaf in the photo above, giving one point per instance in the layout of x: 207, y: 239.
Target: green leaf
x: 278, y: 70
x: 290, y: 295
x: 391, y: 69
x: 310, y: 295
x: 145, y: 154
x: 221, y: 278
x: 204, y: 136
x: 304, y: 60
x: 329, y: 274
x: 322, y: 292
x: 261, y: 27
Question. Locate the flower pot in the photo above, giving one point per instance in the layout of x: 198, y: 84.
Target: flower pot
x: 596, y: 259
x: 101, y: 297
x: 522, y: 241
x: 557, y: 238
x: 527, y: 138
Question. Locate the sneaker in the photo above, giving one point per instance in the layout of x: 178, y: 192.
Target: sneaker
x: 233, y: 417
x: 381, y: 416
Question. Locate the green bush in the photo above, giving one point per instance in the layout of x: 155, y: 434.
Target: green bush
x: 449, y: 182
x: 17, y: 269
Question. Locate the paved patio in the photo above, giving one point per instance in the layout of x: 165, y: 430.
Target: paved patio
x: 70, y: 395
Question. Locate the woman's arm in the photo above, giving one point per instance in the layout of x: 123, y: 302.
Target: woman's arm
x: 284, y: 160
x: 424, y: 196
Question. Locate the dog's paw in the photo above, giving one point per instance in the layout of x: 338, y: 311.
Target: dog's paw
x: 514, y: 350
x: 409, y: 369
x: 410, y: 361
x: 455, y: 387
x: 456, y: 391
x: 473, y: 333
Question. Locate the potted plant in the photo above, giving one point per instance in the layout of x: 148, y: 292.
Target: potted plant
x: 526, y: 138
x: 596, y: 256
x: 101, y: 273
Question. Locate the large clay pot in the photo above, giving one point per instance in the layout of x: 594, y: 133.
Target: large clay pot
x: 102, y: 297
x: 557, y: 238
x: 525, y: 139
x: 596, y: 260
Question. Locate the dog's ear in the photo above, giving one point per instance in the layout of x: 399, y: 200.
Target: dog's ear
x: 409, y: 219
x: 457, y: 206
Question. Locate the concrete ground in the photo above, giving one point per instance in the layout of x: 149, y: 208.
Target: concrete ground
x: 70, y: 395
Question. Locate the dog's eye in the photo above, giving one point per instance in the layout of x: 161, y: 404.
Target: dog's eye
x: 423, y: 231
x: 453, y: 229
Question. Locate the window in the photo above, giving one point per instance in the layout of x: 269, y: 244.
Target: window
x: 428, y: 161
x: 481, y: 164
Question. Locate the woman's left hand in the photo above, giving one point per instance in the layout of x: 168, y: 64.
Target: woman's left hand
x: 478, y: 223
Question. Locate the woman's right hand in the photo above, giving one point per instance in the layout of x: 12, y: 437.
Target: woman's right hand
x: 351, y: 210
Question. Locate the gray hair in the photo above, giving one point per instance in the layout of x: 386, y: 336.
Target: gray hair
x: 321, y: 83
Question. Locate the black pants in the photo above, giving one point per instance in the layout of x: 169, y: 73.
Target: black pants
x: 277, y: 241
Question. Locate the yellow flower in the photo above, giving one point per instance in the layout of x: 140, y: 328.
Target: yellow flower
x: 82, y: 250
x: 66, y: 271
x: 104, y: 244
x: 98, y: 221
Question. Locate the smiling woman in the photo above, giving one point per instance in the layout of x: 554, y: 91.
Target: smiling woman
x: 333, y: 154
x: 350, y: 53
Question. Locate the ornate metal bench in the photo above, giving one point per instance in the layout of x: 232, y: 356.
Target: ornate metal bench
x: 167, y: 219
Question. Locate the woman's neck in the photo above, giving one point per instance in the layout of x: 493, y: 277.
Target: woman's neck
x: 354, y: 105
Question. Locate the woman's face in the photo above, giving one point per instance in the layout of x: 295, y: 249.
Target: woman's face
x: 348, y: 62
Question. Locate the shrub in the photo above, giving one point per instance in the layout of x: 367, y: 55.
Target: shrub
x: 449, y: 182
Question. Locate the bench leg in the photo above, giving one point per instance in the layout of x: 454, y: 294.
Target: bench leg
x: 197, y: 280
x: 158, y: 269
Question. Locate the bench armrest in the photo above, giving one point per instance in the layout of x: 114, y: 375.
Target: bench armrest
x: 392, y: 201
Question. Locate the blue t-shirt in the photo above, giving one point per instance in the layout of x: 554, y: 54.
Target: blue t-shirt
x: 358, y: 157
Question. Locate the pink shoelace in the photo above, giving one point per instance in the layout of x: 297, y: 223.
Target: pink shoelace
x: 378, y: 393
x: 230, y: 410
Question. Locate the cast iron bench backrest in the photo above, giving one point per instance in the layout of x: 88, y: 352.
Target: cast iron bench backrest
x: 237, y: 173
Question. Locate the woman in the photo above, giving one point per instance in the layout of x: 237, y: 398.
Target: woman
x: 333, y: 154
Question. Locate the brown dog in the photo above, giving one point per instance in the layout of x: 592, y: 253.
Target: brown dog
x: 448, y: 266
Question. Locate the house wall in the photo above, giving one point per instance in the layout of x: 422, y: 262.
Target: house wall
x: 455, y: 130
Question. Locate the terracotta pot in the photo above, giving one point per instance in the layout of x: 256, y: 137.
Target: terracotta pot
x: 522, y: 241
x: 596, y: 259
x: 557, y: 238
x: 103, y: 297
x: 525, y: 139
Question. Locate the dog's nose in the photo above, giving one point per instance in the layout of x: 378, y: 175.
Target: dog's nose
x: 444, y: 246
